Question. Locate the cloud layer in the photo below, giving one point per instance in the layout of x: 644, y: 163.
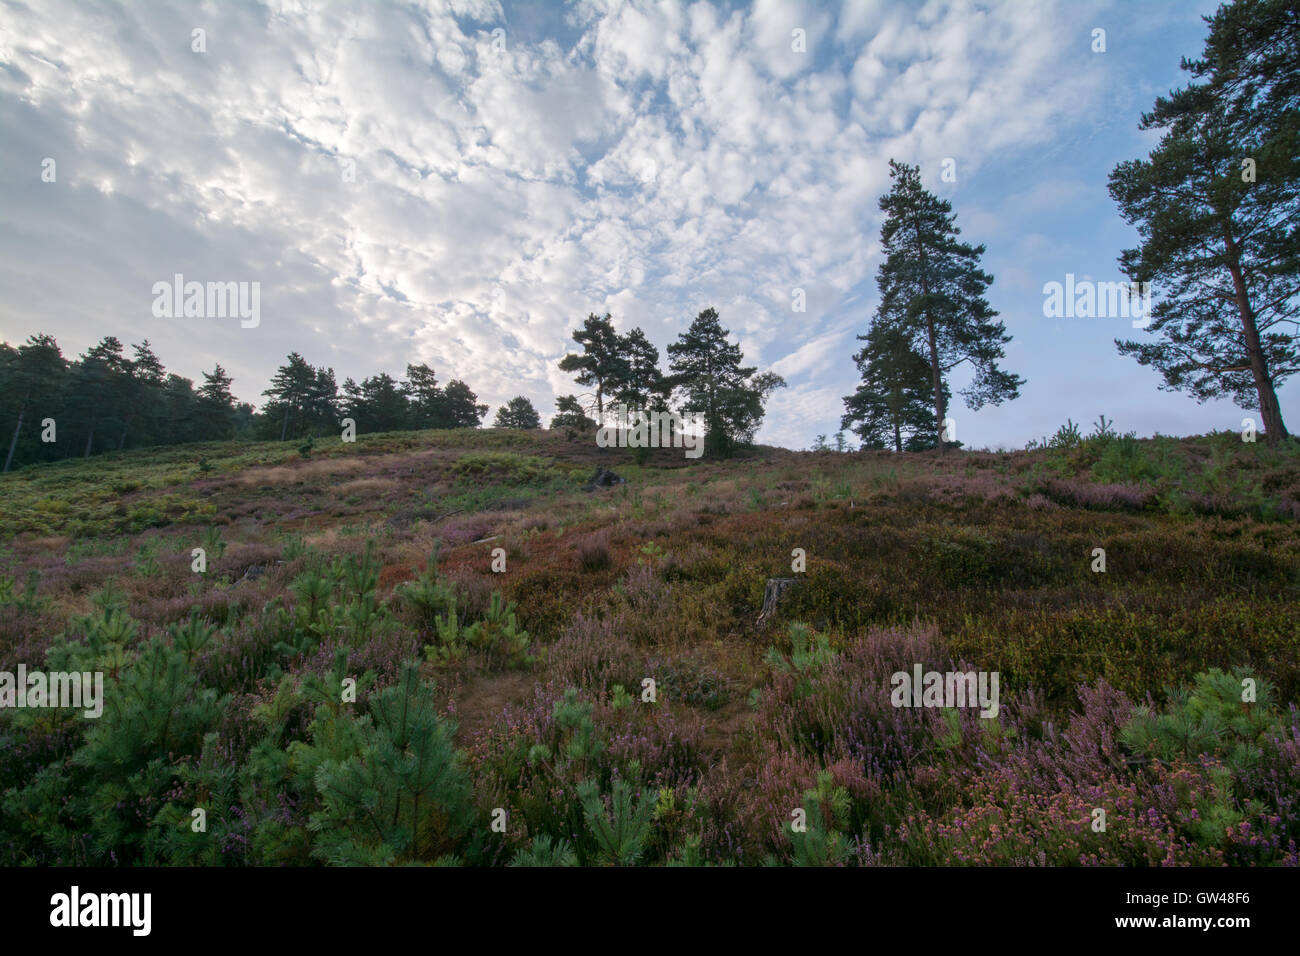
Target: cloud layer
x: 460, y: 183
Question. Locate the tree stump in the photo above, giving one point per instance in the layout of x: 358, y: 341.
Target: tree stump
x: 772, y: 596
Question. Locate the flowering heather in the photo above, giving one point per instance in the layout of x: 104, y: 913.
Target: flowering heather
x: 976, y: 562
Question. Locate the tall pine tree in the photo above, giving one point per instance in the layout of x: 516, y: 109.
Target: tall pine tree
x: 932, y: 285
x: 1217, y: 206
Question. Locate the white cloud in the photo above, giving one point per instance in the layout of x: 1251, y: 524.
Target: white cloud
x: 667, y: 158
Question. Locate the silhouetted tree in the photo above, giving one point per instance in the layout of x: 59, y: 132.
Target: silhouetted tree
x: 517, y: 413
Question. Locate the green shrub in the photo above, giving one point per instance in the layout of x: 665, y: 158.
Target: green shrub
x: 392, y: 786
x: 621, y: 829
x: 1209, y: 718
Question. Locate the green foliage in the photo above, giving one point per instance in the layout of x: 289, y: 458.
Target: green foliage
x: 581, y: 743
x: 819, y: 842
x: 572, y: 418
x: 428, y: 595
x: 544, y: 851
x: 98, y: 807
x: 505, y: 467
x: 807, y: 658
x: 26, y: 599
x: 293, y: 548
x: 391, y: 784
x: 620, y: 698
x: 517, y: 413
x: 620, y: 826
x: 1123, y: 461
x: 1219, y: 245
x: 192, y: 637
x: 963, y: 558
x: 731, y: 397
x: 893, y: 405
x: 498, y: 638
x: 1066, y: 437
x: 213, y: 544
x: 1211, y: 717
x: 932, y: 300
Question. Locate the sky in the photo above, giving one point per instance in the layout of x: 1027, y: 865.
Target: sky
x: 461, y: 183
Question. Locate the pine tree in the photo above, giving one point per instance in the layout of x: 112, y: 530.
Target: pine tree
x: 290, y: 391
x: 602, y: 362
x: 424, y: 396
x: 892, y: 403
x: 215, y: 412
x: 517, y: 413
x: 706, y: 368
x: 148, y: 380
x: 378, y: 404
x: 100, y: 390
x: 31, y: 383
x: 932, y: 286
x: 322, y: 409
x: 402, y: 794
x: 572, y: 417
x: 460, y: 407
x: 1217, y: 204
x: 181, y: 410
x: 643, y: 385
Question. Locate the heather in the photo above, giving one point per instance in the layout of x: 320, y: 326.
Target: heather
x: 350, y: 682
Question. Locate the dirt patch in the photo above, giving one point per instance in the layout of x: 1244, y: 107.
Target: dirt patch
x: 726, y: 727
x: 481, y: 701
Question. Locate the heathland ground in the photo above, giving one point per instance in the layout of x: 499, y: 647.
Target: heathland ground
x: 1161, y: 691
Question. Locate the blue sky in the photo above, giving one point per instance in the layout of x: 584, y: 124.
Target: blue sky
x: 646, y: 160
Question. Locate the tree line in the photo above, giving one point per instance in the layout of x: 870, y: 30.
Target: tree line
x: 1217, y: 208
x: 105, y: 400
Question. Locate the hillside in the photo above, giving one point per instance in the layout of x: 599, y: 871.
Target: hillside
x: 225, y: 689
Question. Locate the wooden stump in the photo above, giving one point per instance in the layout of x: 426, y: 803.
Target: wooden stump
x: 772, y: 596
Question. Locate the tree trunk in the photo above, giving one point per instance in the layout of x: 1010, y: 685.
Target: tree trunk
x: 935, y: 375
x: 772, y: 593
x: 13, y: 442
x: 1269, y: 409
x: 898, y: 438
x: 284, y: 429
x: 90, y: 439
x: 936, y: 378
